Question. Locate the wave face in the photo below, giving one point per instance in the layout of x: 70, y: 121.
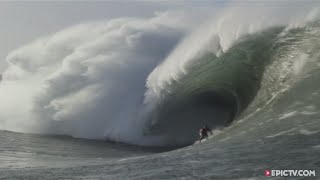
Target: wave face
x: 219, y: 89
x: 157, y: 81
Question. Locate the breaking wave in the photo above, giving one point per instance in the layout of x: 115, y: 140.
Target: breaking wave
x: 156, y: 81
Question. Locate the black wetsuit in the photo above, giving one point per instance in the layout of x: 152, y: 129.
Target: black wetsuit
x: 204, y: 133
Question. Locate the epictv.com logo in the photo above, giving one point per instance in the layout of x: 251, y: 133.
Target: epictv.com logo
x: 290, y: 173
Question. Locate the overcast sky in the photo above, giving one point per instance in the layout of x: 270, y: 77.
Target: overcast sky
x: 23, y: 22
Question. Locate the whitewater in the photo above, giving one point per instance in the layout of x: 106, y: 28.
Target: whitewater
x: 124, y: 98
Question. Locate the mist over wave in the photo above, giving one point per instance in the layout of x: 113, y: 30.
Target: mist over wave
x: 106, y: 80
x: 88, y: 80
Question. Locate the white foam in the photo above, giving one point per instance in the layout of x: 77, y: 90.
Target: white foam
x: 282, y: 133
x: 90, y: 80
x: 287, y: 115
x: 307, y: 132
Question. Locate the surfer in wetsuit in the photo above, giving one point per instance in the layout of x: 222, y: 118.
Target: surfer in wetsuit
x: 204, y: 132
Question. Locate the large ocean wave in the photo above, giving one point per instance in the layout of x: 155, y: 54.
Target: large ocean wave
x: 156, y: 81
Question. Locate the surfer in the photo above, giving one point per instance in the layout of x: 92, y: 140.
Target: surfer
x: 204, y: 132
